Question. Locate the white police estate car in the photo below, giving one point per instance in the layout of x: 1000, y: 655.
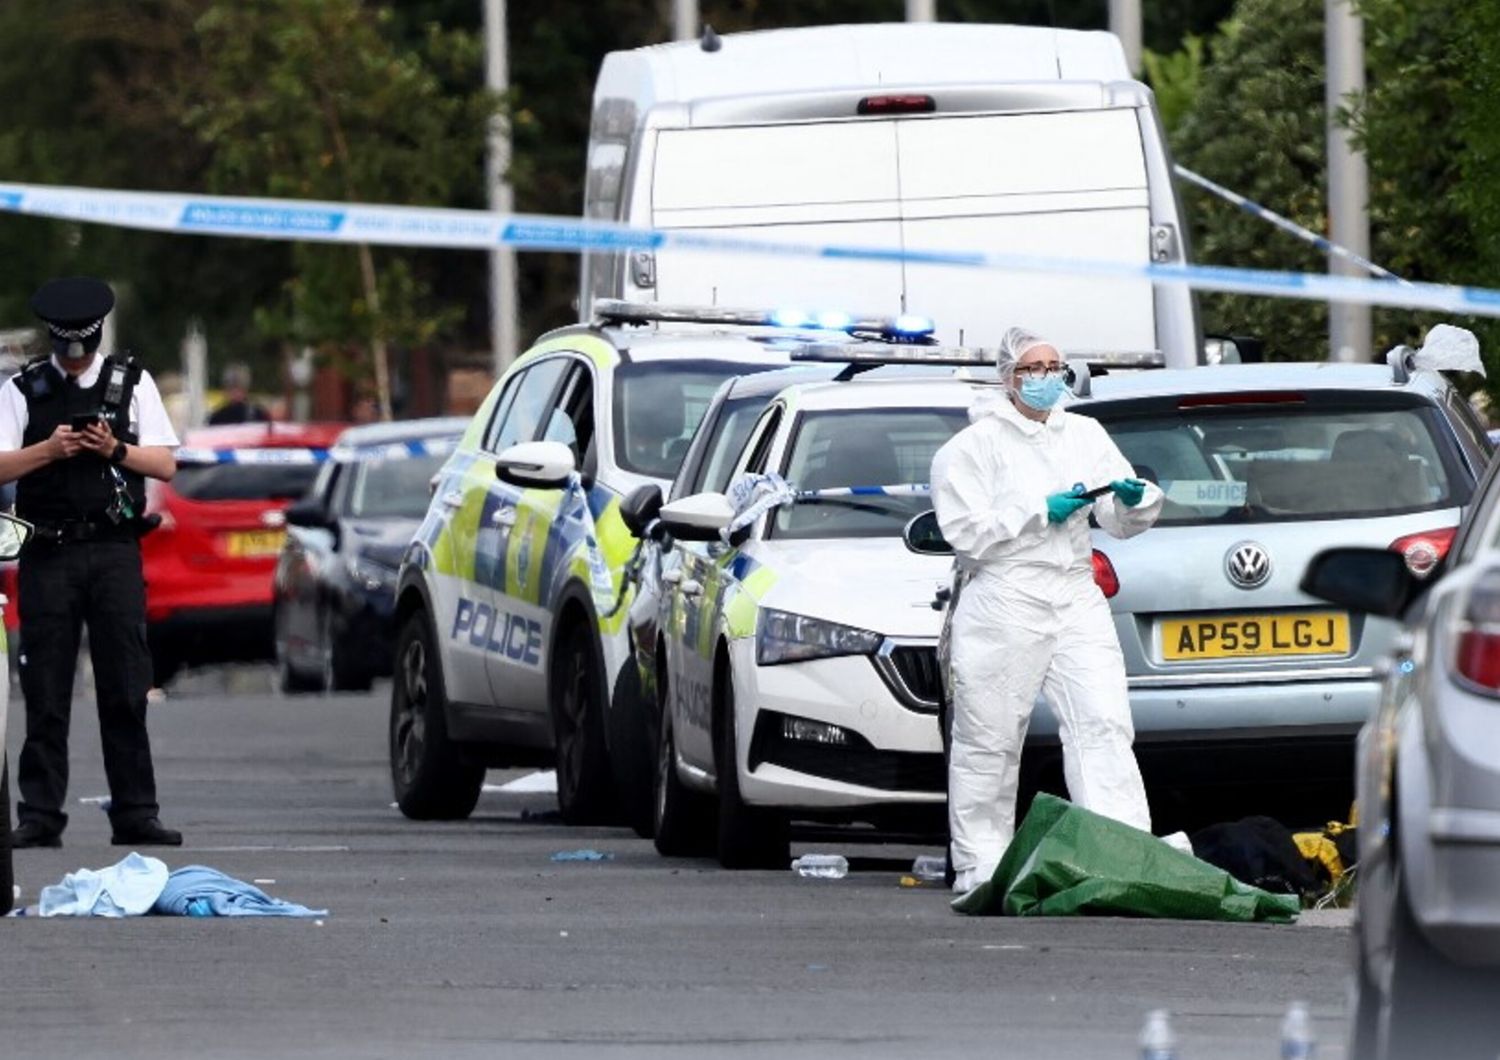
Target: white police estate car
x: 511, y: 599
x: 794, y: 665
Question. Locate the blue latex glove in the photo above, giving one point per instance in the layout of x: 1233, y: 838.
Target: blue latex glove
x: 1062, y: 505
x: 1131, y: 491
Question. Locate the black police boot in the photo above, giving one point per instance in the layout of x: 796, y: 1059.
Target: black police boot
x: 145, y: 833
x: 35, y: 834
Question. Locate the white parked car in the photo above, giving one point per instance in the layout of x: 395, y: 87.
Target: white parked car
x: 794, y: 665
x: 13, y: 534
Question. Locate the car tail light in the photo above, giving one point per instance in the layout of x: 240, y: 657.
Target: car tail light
x: 1104, y: 575
x: 907, y: 104
x: 1478, y: 655
x: 1423, y: 552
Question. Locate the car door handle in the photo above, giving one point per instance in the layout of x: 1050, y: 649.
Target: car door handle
x: 453, y: 499
x: 691, y: 587
x: 671, y: 577
x: 503, y: 517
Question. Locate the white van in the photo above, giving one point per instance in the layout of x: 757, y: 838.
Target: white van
x: 906, y: 136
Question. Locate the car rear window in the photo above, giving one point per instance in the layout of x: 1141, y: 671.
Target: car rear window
x: 863, y: 447
x: 243, y: 482
x: 1288, y: 461
x: 658, y: 405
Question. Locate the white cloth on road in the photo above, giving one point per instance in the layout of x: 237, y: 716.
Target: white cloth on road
x: 148, y: 416
x: 1031, y: 621
x: 130, y: 887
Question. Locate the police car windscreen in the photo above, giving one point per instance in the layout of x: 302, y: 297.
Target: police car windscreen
x: 658, y: 406
x: 393, y: 489
x: 1272, y: 463
x: 863, y: 447
x: 243, y: 482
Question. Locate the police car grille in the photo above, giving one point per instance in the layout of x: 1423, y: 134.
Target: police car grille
x: 853, y: 762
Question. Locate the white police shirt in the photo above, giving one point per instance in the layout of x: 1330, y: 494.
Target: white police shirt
x: 148, y: 416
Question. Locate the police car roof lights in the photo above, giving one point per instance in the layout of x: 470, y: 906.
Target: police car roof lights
x: 904, y: 328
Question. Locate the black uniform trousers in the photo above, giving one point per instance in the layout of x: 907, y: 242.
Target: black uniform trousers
x: 62, y: 587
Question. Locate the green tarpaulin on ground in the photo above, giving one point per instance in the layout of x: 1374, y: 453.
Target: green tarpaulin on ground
x: 1068, y: 861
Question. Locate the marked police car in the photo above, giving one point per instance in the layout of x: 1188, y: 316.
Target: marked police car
x: 512, y: 597
x: 794, y: 666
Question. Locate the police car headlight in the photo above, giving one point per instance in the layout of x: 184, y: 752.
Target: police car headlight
x: 371, y: 576
x: 784, y: 637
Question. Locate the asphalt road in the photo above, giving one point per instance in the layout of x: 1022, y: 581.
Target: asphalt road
x: 459, y: 940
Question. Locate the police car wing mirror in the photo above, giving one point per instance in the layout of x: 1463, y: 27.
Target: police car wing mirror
x: 923, y: 536
x: 1373, y: 581
x: 640, y: 508
x: 536, y: 465
x: 697, y: 518
x: 14, y: 533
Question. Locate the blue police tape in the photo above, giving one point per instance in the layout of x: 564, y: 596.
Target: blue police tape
x: 340, y: 453
x: 1286, y: 224
x: 477, y: 230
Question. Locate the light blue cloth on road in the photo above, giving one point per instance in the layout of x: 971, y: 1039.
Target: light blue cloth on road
x: 128, y: 888
x: 197, y: 890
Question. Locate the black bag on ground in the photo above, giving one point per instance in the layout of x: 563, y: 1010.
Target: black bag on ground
x: 1259, y: 851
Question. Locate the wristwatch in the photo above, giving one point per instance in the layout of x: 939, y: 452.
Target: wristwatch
x: 118, y: 456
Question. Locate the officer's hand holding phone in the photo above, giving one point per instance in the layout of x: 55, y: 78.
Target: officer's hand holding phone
x: 97, y: 437
x: 65, y: 442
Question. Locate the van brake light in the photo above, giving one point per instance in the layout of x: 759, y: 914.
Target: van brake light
x: 877, y: 105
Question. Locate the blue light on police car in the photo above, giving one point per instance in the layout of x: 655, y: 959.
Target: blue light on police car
x: 911, y: 324
x: 834, y: 320
x: 790, y: 318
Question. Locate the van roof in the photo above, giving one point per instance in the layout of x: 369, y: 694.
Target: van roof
x: 859, y: 56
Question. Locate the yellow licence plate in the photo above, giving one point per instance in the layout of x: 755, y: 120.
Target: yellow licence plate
x: 1252, y: 636
x: 253, y: 544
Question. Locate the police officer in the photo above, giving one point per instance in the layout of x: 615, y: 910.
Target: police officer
x: 80, y: 433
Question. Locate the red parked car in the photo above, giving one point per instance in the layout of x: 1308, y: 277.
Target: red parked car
x: 209, y: 564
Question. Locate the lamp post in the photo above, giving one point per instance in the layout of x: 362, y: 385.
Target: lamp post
x: 504, y: 325
x: 1349, y: 335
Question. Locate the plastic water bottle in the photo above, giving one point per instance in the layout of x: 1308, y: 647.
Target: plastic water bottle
x: 821, y: 866
x: 930, y: 868
x: 1297, y: 1041
x: 1157, y: 1040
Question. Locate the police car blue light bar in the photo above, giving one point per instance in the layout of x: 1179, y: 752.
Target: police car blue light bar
x: 906, y: 327
x: 877, y: 354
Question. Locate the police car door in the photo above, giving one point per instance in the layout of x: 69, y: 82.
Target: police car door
x: 549, y: 528
x: 483, y: 509
x: 706, y: 573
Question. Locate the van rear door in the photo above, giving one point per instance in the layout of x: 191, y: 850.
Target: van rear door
x: 1064, y: 184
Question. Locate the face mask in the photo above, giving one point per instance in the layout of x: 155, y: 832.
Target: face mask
x: 75, y: 349
x: 1042, y: 394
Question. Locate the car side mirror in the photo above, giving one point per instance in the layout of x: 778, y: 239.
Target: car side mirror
x: 536, y: 465
x: 640, y: 509
x: 310, y: 514
x: 923, y: 536
x: 697, y: 518
x: 1375, y: 581
x: 14, y: 533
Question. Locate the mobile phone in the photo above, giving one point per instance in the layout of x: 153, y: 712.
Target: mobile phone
x: 84, y: 420
x: 1097, y: 491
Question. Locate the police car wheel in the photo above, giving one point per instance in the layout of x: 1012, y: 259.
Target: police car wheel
x: 585, y: 785
x: 750, y: 837
x: 682, y: 818
x: 7, y: 868
x: 632, y: 749
x: 432, y: 778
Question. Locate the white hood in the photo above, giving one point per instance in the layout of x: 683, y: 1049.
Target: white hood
x: 872, y: 583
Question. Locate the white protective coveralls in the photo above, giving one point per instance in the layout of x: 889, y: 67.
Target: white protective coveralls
x: 1031, y: 619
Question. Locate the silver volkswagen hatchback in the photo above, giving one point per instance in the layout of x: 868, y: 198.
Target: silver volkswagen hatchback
x: 1236, y: 675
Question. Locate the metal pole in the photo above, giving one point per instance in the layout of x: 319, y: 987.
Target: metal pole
x: 684, y: 19
x: 1125, y: 23
x: 504, y: 324
x: 921, y: 10
x: 195, y: 373
x: 1349, y: 337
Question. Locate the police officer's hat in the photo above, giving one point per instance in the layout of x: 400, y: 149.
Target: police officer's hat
x: 74, y: 310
